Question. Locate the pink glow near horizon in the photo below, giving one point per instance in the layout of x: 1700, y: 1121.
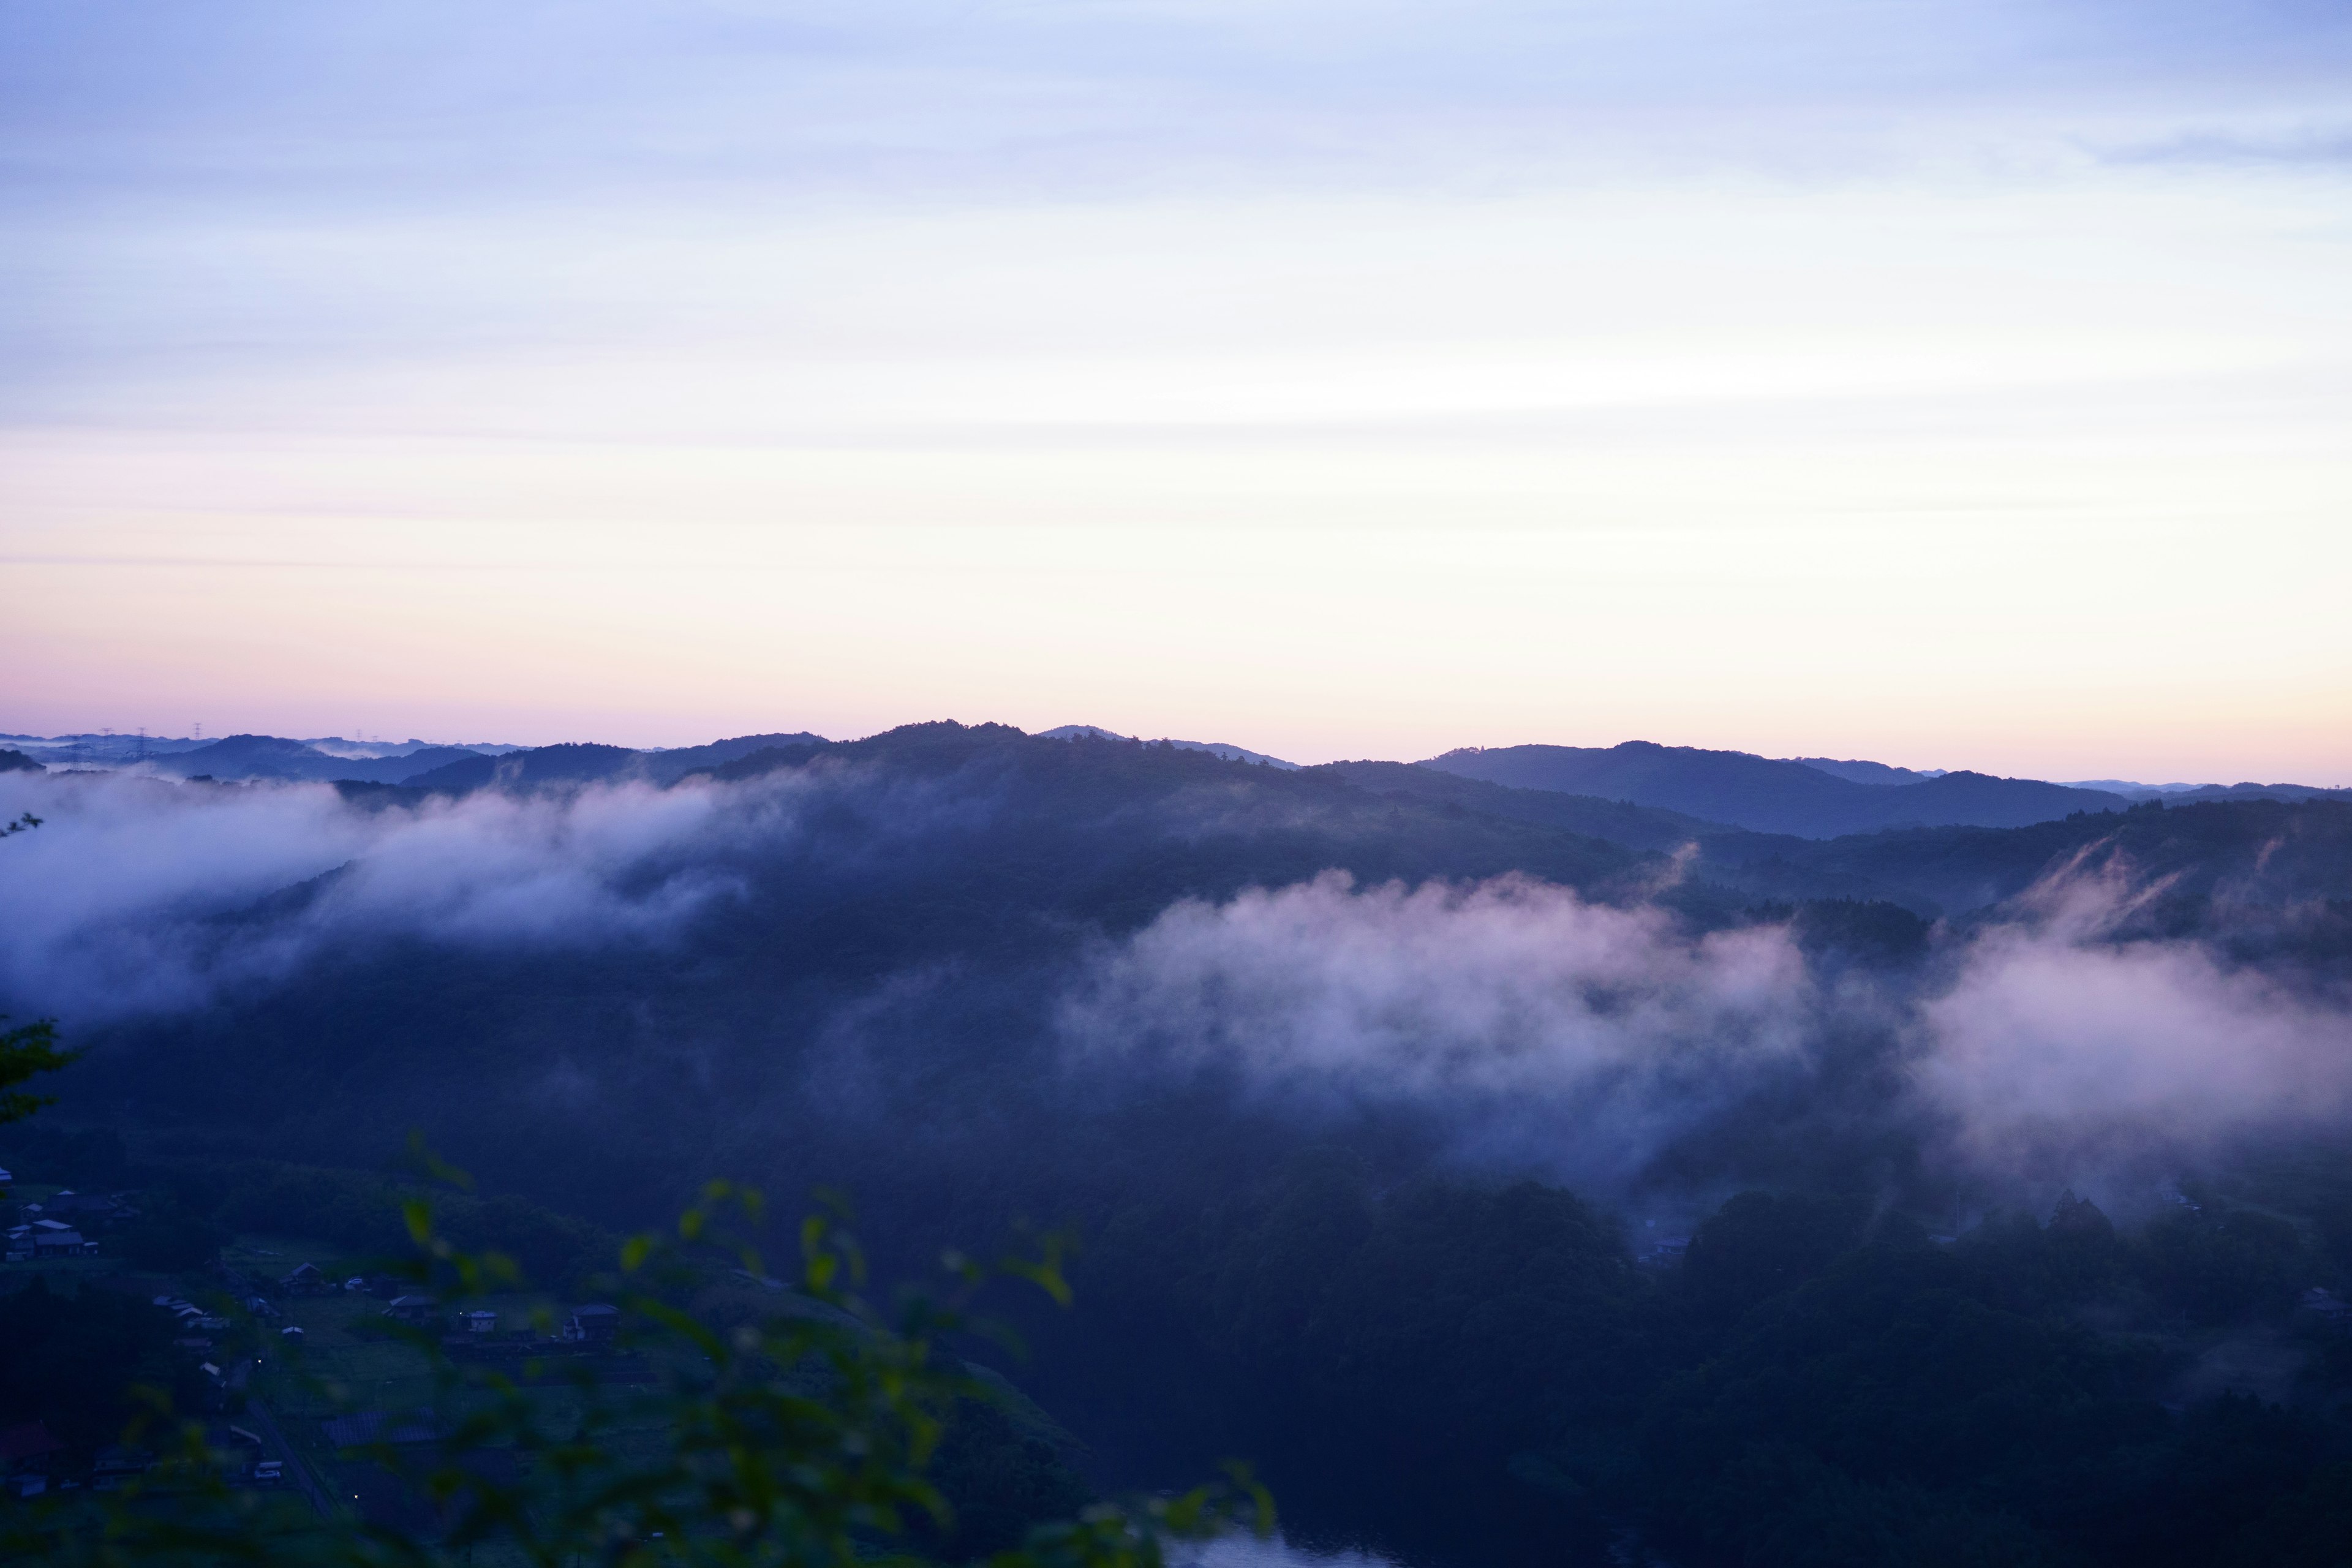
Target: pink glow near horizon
x: 1486, y: 377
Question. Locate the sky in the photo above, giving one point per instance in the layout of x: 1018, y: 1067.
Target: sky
x: 1958, y: 385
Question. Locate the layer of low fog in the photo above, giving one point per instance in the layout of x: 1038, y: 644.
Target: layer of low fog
x: 1585, y: 1040
x: 1536, y: 1030
x: 1556, y: 1034
x: 135, y: 895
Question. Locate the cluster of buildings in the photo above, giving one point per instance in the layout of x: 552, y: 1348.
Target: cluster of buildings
x: 30, y: 1455
x: 310, y: 1279
x: 474, y: 1329
x: 61, y: 1226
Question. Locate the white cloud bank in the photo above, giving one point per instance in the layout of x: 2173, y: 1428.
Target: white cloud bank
x: 1561, y: 1031
x: 1581, y: 1038
x: 2056, y: 1046
x: 130, y: 898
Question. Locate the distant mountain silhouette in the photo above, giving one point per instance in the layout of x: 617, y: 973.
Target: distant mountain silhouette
x: 276, y: 757
x: 1231, y: 753
x: 2254, y: 792
x: 1869, y: 772
x: 585, y: 764
x: 391, y: 770
x: 1702, y: 794
x: 1618, y: 821
x: 668, y: 767
x: 249, y: 756
x: 1766, y: 795
x: 572, y: 763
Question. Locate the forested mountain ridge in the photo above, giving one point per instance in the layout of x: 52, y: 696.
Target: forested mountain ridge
x: 2255, y: 850
x: 574, y: 762
x: 940, y: 880
x: 447, y: 769
x: 1767, y: 796
x: 2238, y: 856
x: 275, y: 757
x: 1311, y: 1060
x: 979, y: 858
x: 1800, y: 795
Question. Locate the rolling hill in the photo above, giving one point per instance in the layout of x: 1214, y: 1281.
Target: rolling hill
x: 1741, y: 790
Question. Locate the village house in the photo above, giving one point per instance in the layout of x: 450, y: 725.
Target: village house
x: 84, y: 1210
x: 304, y: 1280
x: 62, y: 1244
x: 596, y: 1324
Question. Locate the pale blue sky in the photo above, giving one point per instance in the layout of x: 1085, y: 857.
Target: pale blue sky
x: 1962, y: 384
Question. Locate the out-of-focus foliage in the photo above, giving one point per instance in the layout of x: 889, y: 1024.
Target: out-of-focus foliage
x: 824, y: 1433
x: 30, y: 1050
x: 27, y: 1051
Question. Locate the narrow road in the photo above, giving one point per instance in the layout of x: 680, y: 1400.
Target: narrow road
x: 294, y: 1463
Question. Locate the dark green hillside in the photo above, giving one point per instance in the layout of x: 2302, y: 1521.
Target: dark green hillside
x: 925, y: 893
x: 458, y: 771
x: 2253, y: 851
x: 1619, y: 821
x: 1768, y: 795
x: 2254, y: 792
x: 250, y: 756
x: 1776, y: 867
x: 2249, y: 854
x: 936, y: 882
x: 276, y: 757
x: 666, y: 767
x: 568, y: 764
x: 1352, y: 1286
x: 391, y: 770
x: 1490, y: 1375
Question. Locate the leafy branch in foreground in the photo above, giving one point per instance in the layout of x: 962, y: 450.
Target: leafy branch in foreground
x: 31, y: 1048
x: 27, y: 1051
x: 800, y: 1440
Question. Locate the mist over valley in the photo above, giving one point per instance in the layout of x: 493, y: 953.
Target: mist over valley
x: 1632, y: 849
x: 1604, y: 1055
